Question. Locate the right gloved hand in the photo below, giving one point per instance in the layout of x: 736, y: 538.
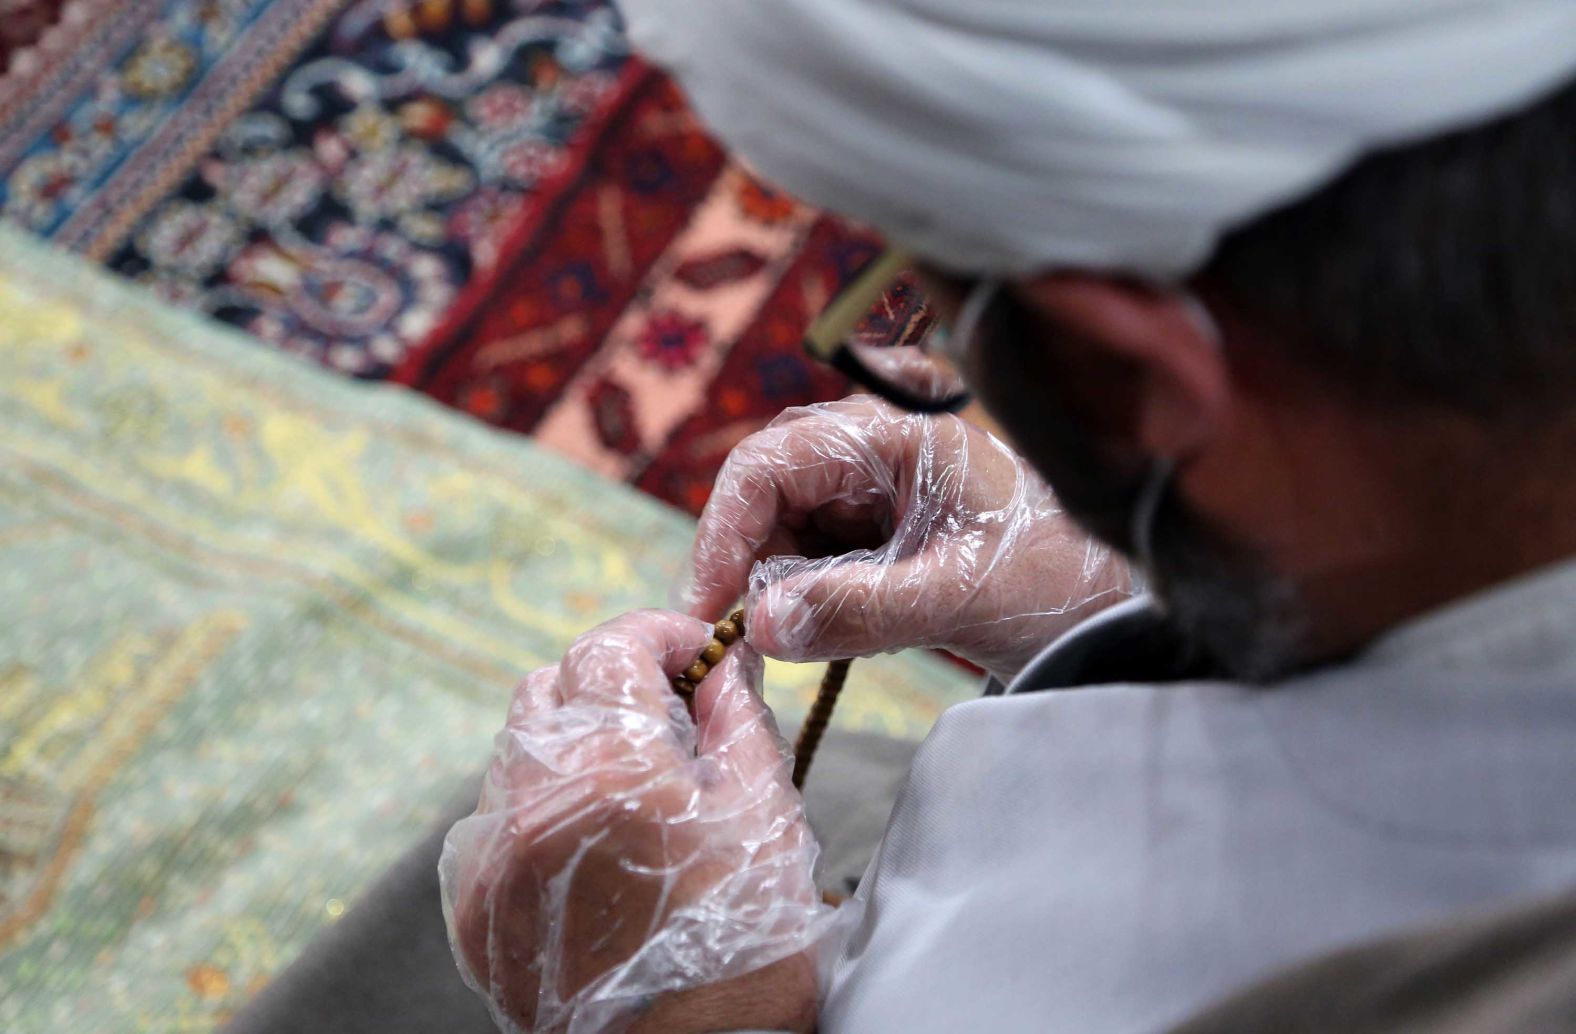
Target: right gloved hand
x: 870, y: 530
x: 629, y: 868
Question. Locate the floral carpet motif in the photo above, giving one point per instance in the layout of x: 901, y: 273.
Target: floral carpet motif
x: 295, y: 168
x: 259, y: 623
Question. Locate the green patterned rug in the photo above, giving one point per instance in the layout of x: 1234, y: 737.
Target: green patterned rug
x: 256, y: 626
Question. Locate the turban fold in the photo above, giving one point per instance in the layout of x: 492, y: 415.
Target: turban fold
x: 1019, y: 136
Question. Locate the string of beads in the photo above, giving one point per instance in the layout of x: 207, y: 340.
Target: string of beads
x: 724, y: 634
x: 729, y: 631
x: 818, y: 719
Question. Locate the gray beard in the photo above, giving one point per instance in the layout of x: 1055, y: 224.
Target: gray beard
x: 1245, y: 618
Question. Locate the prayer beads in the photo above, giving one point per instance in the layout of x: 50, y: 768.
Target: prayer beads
x: 725, y: 633
x: 729, y: 631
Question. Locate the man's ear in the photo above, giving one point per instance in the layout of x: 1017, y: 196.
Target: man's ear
x: 1143, y: 364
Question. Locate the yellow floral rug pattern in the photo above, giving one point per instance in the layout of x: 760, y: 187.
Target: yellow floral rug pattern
x: 256, y: 626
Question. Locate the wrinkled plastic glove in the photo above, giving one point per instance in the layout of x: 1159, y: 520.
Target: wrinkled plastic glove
x: 870, y: 530
x: 622, y: 853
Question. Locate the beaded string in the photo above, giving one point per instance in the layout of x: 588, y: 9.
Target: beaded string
x: 724, y: 634
x: 818, y: 719
x: 729, y: 631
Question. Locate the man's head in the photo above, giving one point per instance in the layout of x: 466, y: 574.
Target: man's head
x: 1374, y: 421
x: 1395, y: 365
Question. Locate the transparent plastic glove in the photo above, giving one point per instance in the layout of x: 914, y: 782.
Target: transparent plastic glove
x: 870, y: 530
x: 621, y: 853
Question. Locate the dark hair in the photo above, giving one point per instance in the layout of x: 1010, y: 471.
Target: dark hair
x: 1441, y: 273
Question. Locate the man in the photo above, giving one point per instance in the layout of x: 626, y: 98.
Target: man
x: 1278, y: 299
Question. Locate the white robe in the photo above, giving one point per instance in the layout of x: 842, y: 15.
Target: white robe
x: 1117, y: 858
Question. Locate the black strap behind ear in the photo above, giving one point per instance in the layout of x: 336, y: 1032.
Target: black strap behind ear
x: 847, y: 363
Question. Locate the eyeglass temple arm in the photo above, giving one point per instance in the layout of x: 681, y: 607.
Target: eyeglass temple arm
x: 826, y: 335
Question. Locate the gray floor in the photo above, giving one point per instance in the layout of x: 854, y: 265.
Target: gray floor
x: 385, y: 968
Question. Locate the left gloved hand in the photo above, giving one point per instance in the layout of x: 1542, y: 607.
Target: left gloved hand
x: 861, y: 529
x: 624, y: 859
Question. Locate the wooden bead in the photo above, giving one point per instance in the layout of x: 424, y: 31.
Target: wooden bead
x: 727, y: 632
x: 477, y: 12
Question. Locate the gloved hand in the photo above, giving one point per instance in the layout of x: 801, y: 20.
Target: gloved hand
x: 623, y: 856
x: 877, y: 530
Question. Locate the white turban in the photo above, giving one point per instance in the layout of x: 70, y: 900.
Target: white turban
x: 1017, y: 136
